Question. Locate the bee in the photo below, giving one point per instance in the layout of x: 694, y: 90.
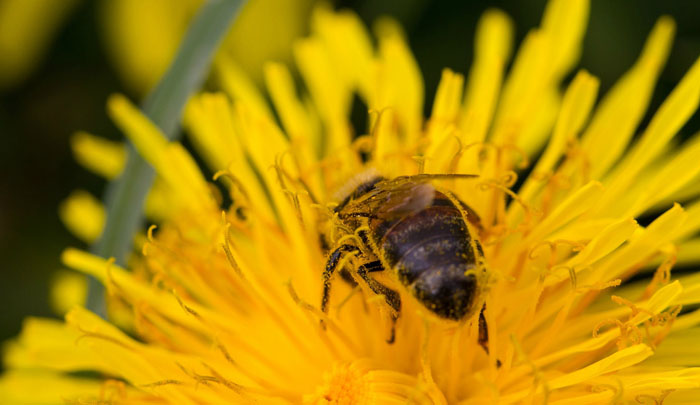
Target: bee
x: 426, y: 238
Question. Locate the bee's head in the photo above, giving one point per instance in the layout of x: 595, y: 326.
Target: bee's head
x: 357, y: 186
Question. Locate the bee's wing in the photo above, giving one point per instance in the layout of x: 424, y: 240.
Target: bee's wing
x: 406, y: 199
x: 397, y: 198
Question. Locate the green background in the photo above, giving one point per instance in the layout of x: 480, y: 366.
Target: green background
x: 68, y: 92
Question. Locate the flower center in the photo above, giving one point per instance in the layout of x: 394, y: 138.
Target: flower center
x: 344, y: 384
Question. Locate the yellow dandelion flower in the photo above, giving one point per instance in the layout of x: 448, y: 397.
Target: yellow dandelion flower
x: 567, y: 299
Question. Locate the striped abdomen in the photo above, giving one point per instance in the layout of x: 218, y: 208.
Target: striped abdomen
x: 430, y: 251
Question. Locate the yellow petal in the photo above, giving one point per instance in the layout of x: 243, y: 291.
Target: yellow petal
x: 674, y: 176
x: 397, y: 83
x: 50, y: 344
x: 68, y: 289
x: 678, y: 349
x: 19, y: 387
x: 348, y: 44
x: 577, y: 104
x: 606, y: 241
x: 239, y: 86
x: 641, y: 247
x: 670, y: 117
x: 170, y: 160
x: 442, y: 134
x: 624, y: 105
x: 620, y: 360
x: 576, y: 204
x: 529, y: 102
x: 210, y: 121
x: 147, y: 138
x: 493, y: 43
x: 565, y: 22
x: 330, y: 93
x: 83, y: 215
x: 99, y: 155
x: 295, y: 119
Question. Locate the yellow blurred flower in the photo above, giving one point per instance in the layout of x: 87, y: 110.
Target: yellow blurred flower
x: 141, y: 37
x: 26, y: 30
x: 222, y: 305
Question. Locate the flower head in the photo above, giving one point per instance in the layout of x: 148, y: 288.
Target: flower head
x: 222, y: 305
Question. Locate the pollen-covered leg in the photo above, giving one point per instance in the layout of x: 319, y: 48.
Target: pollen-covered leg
x: 331, y: 266
x: 393, y: 299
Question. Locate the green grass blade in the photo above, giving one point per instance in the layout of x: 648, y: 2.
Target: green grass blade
x: 126, y: 195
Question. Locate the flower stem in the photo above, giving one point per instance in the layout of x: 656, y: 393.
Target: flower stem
x: 126, y: 195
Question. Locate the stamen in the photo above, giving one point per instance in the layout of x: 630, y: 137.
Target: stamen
x: 226, y: 353
x: 332, y: 325
x: 224, y: 381
x: 185, y: 307
x: 161, y: 383
x: 664, y: 319
x: 599, y: 286
x: 509, y: 179
x: 149, y: 233
x: 100, y: 336
x: 635, y: 309
x: 628, y: 332
x: 618, y: 391
x: 150, y: 240
x: 363, y: 144
x: 236, y: 183
x: 293, y: 196
x: 524, y: 159
x: 229, y: 253
x: 118, y: 389
x: 495, y: 184
x: 662, y: 275
x: 420, y: 160
x: 656, y: 400
x: 454, y: 162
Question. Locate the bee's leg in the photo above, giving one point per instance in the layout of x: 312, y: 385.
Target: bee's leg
x: 364, y: 237
x: 371, y: 267
x: 483, y: 330
x: 484, y: 334
x: 331, y: 266
x: 393, y: 299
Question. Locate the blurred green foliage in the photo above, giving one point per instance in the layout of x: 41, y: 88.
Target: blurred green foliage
x: 68, y: 92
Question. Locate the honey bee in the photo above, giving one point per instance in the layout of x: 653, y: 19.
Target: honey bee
x: 426, y: 238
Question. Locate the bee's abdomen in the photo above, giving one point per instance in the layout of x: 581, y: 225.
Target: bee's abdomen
x: 435, y: 234
x: 431, y: 252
